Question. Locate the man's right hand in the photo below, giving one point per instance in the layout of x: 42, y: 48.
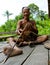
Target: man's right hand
x: 19, y: 31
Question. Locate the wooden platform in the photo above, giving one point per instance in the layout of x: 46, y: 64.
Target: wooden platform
x: 37, y: 55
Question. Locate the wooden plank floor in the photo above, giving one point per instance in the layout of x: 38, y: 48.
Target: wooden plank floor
x: 37, y: 55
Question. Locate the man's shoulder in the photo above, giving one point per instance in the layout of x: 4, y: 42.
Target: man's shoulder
x: 20, y: 21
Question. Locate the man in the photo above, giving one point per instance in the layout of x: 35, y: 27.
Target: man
x: 28, y: 32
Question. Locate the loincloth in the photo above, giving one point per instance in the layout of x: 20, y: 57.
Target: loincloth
x: 28, y: 36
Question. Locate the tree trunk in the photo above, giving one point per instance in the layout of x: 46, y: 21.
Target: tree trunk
x: 49, y: 8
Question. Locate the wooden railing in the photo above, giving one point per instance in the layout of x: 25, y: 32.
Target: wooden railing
x: 4, y: 37
x: 12, y: 32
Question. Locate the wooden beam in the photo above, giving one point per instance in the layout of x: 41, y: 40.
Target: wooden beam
x: 49, y: 8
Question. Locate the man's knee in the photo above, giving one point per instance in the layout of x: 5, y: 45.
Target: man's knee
x: 45, y: 37
x: 42, y: 38
x: 10, y: 39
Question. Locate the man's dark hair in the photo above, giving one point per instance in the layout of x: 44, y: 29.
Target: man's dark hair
x: 26, y: 8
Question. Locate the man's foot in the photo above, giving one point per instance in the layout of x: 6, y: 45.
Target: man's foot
x: 22, y: 44
x: 31, y: 44
x: 14, y: 52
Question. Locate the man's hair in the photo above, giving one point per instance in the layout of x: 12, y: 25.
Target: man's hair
x: 25, y: 8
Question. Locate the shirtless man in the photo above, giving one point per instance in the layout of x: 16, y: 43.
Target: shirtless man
x: 26, y: 29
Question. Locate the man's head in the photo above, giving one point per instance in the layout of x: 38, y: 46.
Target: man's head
x: 26, y: 12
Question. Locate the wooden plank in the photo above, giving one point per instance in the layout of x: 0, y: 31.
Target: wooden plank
x: 18, y: 60
x: 2, y: 45
x: 6, y: 36
x: 11, y: 32
x: 38, y: 57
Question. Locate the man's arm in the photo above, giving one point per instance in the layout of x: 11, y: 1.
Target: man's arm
x: 18, y: 29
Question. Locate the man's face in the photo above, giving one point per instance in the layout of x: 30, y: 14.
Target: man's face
x: 26, y: 12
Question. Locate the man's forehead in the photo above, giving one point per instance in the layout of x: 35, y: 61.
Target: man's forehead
x: 26, y: 8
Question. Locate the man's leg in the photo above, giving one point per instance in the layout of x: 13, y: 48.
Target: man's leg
x: 42, y: 38
x: 39, y: 40
x: 15, y: 51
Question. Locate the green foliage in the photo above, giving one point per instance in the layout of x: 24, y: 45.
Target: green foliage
x: 19, y: 17
x: 10, y: 25
x: 43, y: 26
x: 33, y: 8
x: 36, y: 13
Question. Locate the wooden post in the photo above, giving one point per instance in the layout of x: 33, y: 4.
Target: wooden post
x: 49, y: 8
